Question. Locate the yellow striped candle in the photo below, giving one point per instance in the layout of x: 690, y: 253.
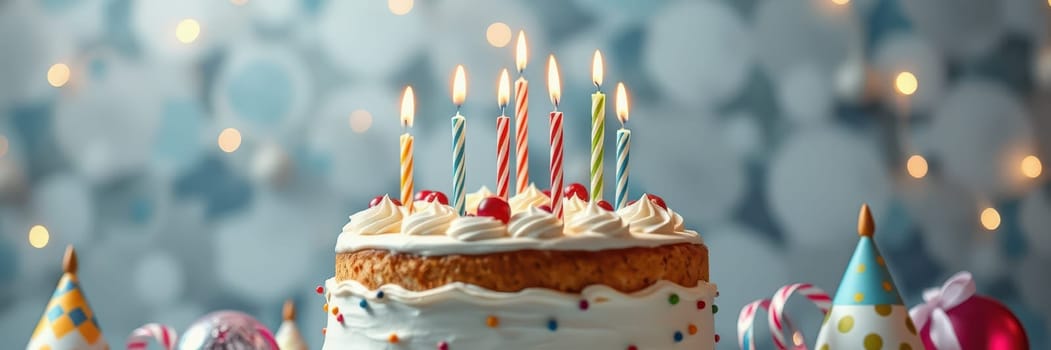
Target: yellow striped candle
x: 408, y: 109
x: 598, y: 129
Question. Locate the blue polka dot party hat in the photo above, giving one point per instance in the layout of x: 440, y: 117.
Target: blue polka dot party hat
x: 867, y: 312
x: 68, y: 322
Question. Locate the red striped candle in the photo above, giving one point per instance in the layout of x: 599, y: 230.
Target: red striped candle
x: 555, y: 90
x: 521, y: 118
x: 503, y: 137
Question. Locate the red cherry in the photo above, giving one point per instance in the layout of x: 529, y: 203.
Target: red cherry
x: 575, y: 189
x: 378, y: 199
x: 320, y: 289
x: 422, y: 195
x: 605, y: 205
x: 496, y: 208
x: 657, y: 200
x: 546, y: 193
x: 437, y: 196
x: 545, y: 207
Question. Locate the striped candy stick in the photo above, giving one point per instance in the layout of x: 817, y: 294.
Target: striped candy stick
x: 503, y: 152
x: 556, y: 164
x: 140, y: 337
x: 459, y: 124
x: 776, y: 318
x: 407, y: 160
x: 521, y: 135
x: 745, y: 335
x: 598, y: 136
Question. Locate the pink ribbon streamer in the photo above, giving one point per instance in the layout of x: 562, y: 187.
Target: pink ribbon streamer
x: 956, y: 290
x: 140, y: 337
x: 745, y: 336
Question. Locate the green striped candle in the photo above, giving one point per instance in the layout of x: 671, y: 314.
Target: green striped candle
x: 598, y: 128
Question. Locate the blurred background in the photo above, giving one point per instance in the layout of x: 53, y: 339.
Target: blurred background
x: 203, y: 154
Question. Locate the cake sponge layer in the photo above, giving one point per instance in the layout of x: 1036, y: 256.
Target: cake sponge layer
x: 626, y: 270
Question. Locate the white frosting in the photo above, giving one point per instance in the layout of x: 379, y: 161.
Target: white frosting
x: 445, y: 245
x: 288, y: 337
x: 430, y: 219
x: 473, y: 199
x: 572, y: 205
x: 595, y: 220
x: 530, y: 198
x: 645, y: 217
x: 385, y: 217
x: 530, y: 319
x: 535, y: 223
x: 475, y: 228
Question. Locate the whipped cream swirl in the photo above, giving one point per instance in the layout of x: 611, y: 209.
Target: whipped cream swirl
x: 385, y: 217
x: 573, y: 205
x: 430, y: 219
x: 595, y: 220
x: 535, y: 223
x: 476, y: 228
x: 530, y: 198
x: 475, y: 198
x: 646, y: 217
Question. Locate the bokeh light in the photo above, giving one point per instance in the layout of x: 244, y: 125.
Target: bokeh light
x: 188, y: 30
x: 400, y: 7
x: 1031, y: 166
x: 360, y: 120
x: 844, y: 2
x: 498, y: 34
x: 38, y: 236
x: 58, y: 74
x: 906, y: 83
x: 990, y: 219
x: 917, y: 166
x: 229, y: 140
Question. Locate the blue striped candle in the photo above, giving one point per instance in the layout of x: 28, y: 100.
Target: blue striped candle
x: 459, y: 124
x: 623, y: 153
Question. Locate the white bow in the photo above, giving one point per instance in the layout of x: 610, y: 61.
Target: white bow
x: 956, y: 290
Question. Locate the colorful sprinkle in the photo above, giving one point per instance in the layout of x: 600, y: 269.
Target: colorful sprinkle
x: 552, y: 325
x: 692, y: 329
x: 716, y: 338
x: 363, y: 304
x: 715, y: 309
x: 583, y: 304
x: 335, y: 310
x: 492, y: 321
x: 393, y: 339
x: 701, y: 304
x: 324, y: 331
x: 678, y: 336
x: 673, y: 299
x: 339, y: 318
x: 443, y: 346
x: 325, y: 307
x: 379, y: 295
x: 320, y: 289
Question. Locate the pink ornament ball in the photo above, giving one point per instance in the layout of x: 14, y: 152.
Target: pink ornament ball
x: 982, y: 323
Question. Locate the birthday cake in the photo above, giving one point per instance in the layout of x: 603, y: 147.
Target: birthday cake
x: 515, y: 276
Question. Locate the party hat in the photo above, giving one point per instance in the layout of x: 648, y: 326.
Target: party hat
x: 288, y: 337
x: 68, y: 322
x: 867, y: 312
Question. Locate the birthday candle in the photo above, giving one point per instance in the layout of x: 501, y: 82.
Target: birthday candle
x: 623, y: 148
x: 598, y: 129
x: 521, y: 118
x: 503, y: 137
x: 555, y: 90
x: 408, y: 109
x: 459, y: 124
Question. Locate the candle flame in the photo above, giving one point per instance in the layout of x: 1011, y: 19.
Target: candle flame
x: 554, y: 86
x: 521, y: 54
x: 459, y: 86
x: 408, y: 107
x: 622, y: 103
x: 503, y: 89
x: 597, y: 69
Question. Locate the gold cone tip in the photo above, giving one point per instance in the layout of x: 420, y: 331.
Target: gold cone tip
x: 866, y: 226
x: 289, y: 311
x: 69, y: 261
